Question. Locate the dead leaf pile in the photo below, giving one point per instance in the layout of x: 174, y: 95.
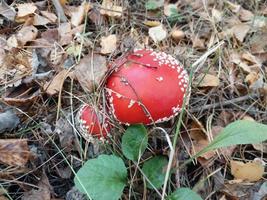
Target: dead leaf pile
x: 14, y: 152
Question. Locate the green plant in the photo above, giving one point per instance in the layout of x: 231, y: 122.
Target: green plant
x: 106, y: 176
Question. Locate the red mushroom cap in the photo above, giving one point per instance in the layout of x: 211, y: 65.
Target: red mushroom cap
x: 92, y: 124
x: 146, y: 87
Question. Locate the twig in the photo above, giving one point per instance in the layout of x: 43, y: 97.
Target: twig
x: 60, y: 12
x: 227, y: 102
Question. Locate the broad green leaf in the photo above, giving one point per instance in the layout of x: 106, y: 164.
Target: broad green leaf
x: 184, y: 194
x: 154, y: 4
x: 134, y: 141
x: 102, y: 178
x: 154, y: 171
x: 238, y: 132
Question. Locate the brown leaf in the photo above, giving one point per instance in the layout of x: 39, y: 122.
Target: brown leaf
x: 198, y: 43
x: 95, y: 16
x: 14, y: 152
x: 255, y: 80
x: 39, y: 20
x: 50, y: 16
x: 78, y: 14
x: 22, y: 96
x: 197, y: 131
x: 108, y: 44
x: 66, y: 135
x: 233, y: 7
x: 56, y: 84
x: 110, y: 9
x: 43, y: 193
x: 25, y: 9
x: 201, y: 144
x: 240, y: 31
x: 152, y: 23
x: 251, y: 171
x: 90, y: 71
x: 245, y: 15
x: 26, y: 34
x: 206, y: 80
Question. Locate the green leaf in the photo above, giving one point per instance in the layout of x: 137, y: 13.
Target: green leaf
x: 175, y: 16
x: 184, y: 194
x: 102, y: 178
x: 134, y: 141
x: 154, y: 4
x: 154, y: 171
x: 239, y: 132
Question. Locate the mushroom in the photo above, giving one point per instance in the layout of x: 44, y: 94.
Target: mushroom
x: 146, y: 87
x: 92, y: 124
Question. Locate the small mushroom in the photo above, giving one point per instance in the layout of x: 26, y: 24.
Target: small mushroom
x: 146, y: 87
x: 92, y: 124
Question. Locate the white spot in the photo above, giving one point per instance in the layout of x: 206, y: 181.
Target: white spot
x: 131, y: 103
x: 118, y: 95
x: 160, y: 78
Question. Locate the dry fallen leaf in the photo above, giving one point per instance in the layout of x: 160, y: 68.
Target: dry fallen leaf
x: 22, y: 95
x: 240, y: 31
x: 251, y: 171
x: 201, y: 144
x: 251, y: 59
x: 245, y: 15
x: 255, y: 80
x: 14, y: 152
x: 110, y: 9
x: 108, y: 44
x: 152, y: 23
x: 198, y: 43
x: 206, y: 80
x: 197, y: 131
x: 56, y: 84
x: 90, y: 71
x: 236, y: 59
x: 43, y: 192
x: 65, y: 132
x: 216, y: 15
x: 7, y: 11
x: 233, y: 7
x: 157, y: 33
x: 26, y: 34
x: 25, y: 9
x: 50, y: 16
x: 78, y: 14
x: 12, y: 42
x: 39, y: 20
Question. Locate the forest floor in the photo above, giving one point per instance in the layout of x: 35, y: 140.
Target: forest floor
x: 45, y: 76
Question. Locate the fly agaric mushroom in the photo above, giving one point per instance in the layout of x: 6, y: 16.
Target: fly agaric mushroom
x: 146, y: 87
x: 92, y: 124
